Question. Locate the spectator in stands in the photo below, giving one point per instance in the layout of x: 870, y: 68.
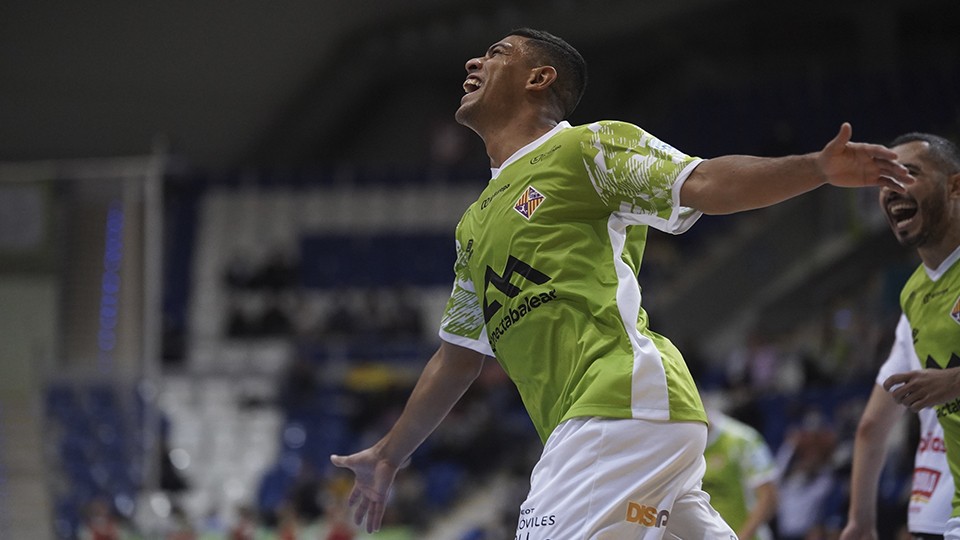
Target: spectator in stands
x: 280, y: 272
x: 299, y: 387
x: 100, y: 522
x: 181, y: 527
x: 239, y: 272
x: 546, y: 282
x: 341, y: 321
x: 241, y: 323
x: 288, y: 522
x: 807, y: 479
x: 246, y: 526
x: 275, y: 320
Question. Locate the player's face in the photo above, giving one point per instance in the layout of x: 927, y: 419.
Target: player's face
x: 919, y: 216
x: 494, y: 82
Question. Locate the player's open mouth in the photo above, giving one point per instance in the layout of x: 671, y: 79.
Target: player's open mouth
x: 472, y: 84
x: 902, y: 212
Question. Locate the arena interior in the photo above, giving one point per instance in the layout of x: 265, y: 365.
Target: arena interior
x: 226, y: 240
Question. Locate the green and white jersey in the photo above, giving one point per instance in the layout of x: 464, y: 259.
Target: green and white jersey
x: 546, y: 275
x: 738, y: 462
x: 931, y: 304
x: 933, y: 486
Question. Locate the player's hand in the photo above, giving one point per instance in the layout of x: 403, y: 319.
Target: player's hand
x: 924, y: 388
x: 374, y: 476
x: 850, y: 164
x: 855, y: 531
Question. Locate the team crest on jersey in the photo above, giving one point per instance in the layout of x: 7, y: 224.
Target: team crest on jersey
x: 529, y: 202
x: 955, y: 311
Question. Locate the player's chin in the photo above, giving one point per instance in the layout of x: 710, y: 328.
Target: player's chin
x: 462, y: 116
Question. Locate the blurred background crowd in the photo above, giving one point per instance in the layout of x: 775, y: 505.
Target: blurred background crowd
x: 226, y: 240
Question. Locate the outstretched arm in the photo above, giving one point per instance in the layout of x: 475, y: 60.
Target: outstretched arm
x: 869, y: 451
x: 735, y: 183
x: 924, y: 388
x: 444, y: 380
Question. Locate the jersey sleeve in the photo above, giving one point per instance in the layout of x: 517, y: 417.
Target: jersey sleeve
x: 902, y: 356
x: 638, y: 175
x: 462, y: 323
x: 757, y: 461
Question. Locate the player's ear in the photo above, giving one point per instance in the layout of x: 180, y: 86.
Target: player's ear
x: 541, y: 77
x: 953, y: 185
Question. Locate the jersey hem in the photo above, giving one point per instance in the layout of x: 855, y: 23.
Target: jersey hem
x: 472, y: 344
x: 685, y: 414
x: 683, y: 217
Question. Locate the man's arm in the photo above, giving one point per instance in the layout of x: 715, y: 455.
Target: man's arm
x: 763, y: 509
x: 869, y: 451
x: 446, y: 377
x: 924, y: 388
x: 735, y: 183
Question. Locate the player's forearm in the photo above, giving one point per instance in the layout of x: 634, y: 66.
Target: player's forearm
x: 869, y: 451
x: 868, y: 455
x: 446, y: 377
x: 735, y: 183
x: 763, y: 510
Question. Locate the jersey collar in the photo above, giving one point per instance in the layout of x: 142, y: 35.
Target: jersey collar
x: 529, y: 147
x: 935, y: 273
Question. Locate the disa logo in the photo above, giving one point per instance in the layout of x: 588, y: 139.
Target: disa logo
x: 648, y: 516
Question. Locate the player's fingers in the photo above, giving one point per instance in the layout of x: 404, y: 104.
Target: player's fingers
x: 375, y: 517
x: 902, y: 396
x: 908, y: 399
x: 894, y: 171
x: 893, y: 380
x: 880, y: 152
x: 355, y: 495
x: 361, y: 511
x: 898, y: 391
x: 339, y: 461
x: 838, y: 144
x: 842, y: 137
x: 913, y: 399
x: 920, y: 402
x: 893, y: 184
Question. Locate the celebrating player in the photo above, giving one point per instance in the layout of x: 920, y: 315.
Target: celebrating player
x: 546, y: 283
x: 926, y: 217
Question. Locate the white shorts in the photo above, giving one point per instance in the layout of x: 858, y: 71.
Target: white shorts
x: 611, y: 479
x: 953, y: 529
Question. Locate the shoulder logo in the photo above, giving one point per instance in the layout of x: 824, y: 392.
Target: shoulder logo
x: 955, y: 311
x: 539, y: 157
x: 529, y: 202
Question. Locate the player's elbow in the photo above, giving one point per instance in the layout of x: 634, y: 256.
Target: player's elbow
x: 870, y: 428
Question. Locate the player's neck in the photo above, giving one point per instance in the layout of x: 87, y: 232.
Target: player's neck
x: 933, y: 256
x: 503, y: 140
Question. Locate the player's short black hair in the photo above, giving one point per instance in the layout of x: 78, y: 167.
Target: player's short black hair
x: 942, y: 150
x: 571, y: 67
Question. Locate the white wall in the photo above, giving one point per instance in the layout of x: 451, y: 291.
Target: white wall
x: 28, y: 330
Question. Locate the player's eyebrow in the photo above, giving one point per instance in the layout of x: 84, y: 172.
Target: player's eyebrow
x: 505, y: 45
x: 912, y: 167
